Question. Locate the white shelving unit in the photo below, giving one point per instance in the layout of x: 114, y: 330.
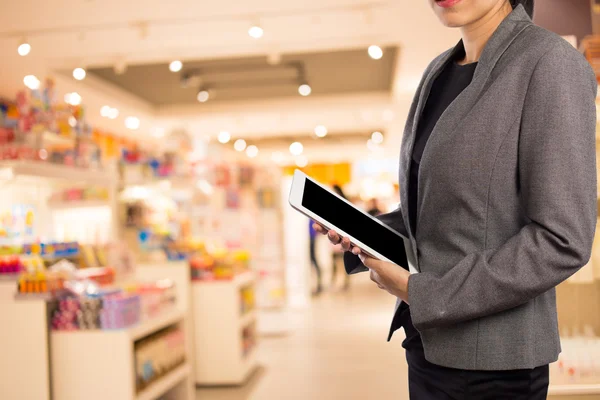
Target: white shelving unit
x: 24, y: 364
x: 37, y: 170
x: 218, y: 326
x: 100, y: 364
x: 573, y: 390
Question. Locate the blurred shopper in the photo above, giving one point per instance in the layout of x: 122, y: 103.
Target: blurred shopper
x: 312, y: 233
x: 506, y: 204
x: 373, y: 208
x: 338, y: 251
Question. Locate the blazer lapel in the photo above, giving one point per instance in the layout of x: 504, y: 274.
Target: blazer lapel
x: 504, y: 35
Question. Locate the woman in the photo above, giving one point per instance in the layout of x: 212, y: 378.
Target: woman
x: 498, y: 204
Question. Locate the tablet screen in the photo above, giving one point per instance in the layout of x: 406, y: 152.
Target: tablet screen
x: 347, y: 218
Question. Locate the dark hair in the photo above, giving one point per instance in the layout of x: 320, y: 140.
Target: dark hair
x: 528, y: 4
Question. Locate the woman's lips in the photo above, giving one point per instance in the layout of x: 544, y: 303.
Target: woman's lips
x: 446, y: 3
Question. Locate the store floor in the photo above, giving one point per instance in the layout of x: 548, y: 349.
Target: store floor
x: 337, y: 350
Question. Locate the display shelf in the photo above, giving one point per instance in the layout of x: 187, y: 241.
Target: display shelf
x: 9, y: 277
x: 574, y: 389
x: 218, y: 329
x: 248, y: 318
x: 155, y: 324
x: 24, y: 347
x: 79, y: 358
x: 164, y: 384
x: 67, y: 205
x: 44, y: 170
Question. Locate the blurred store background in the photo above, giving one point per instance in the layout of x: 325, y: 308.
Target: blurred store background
x: 147, y: 250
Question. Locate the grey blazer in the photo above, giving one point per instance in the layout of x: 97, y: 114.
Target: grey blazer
x: 506, y: 201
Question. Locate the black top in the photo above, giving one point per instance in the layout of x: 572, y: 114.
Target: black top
x: 451, y: 81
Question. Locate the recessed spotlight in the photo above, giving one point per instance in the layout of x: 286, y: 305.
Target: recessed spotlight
x: 132, y: 123
x: 203, y: 96
x: 175, y: 66
x: 252, y: 151
x: 256, y: 32
x: 24, y: 49
x: 105, y: 111
x: 32, y: 82
x: 375, y: 52
x: 296, y: 148
x: 304, y: 89
x: 239, y: 145
x: 320, y: 131
x: 113, y: 113
x: 377, y: 137
x: 79, y: 74
x: 73, y: 99
x: 301, y: 161
x: 224, y: 137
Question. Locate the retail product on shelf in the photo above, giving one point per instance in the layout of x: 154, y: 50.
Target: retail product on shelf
x: 157, y: 355
x: 248, y: 339
x: 92, y: 307
x: 10, y: 265
x: 247, y: 299
x: 220, y: 264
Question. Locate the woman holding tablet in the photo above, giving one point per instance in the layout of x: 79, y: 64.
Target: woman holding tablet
x: 498, y: 201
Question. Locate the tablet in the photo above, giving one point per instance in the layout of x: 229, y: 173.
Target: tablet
x: 334, y: 212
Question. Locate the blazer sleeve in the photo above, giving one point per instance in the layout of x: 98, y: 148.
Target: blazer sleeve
x: 395, y: 221
x: 557, y: 177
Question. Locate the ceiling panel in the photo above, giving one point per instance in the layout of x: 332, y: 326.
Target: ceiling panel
x: 348, y: 71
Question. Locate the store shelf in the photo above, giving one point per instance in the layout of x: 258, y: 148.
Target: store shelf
x: 9, y: 277
x: 568, y: 390
x: 155, y: 324
x: 248, y: 318
x: 62, y: 173
x: 164, y: 384
x: 68, y: 205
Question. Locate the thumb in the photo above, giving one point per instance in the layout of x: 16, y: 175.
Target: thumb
x: 370, y: 262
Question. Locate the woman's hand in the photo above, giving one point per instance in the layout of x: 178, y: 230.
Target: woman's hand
x: 386, y: 275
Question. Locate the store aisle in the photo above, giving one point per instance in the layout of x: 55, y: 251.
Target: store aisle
x: 337, y: 350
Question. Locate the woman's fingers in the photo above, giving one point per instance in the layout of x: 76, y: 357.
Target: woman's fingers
x: 334, y: 237
x: 346, y: 244
x: 319, y: 228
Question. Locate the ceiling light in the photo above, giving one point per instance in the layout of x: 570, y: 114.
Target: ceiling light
x: 203, y: 96
x: 252, y: 151
x: 373, y: 146
x: 320, y: 131
x: 132, y: 123
x: 377, y: 137
x: 175, y: 66
x: 224, y: 137
x: 239, y: 145
x: 105, y: 111
x: 296, y: 148
x: 256, y: 32
x: 73, y: 99
x: 277, y: 157
x: 31, y: 82
x: 24, y: 49
x: 304, y: 89
x: 79, y: 74
x: 113, y: 113
x: 301, y: 161
x: 375, y: 52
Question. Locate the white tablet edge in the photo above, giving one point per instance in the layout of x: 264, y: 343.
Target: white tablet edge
x: 295, y: 200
